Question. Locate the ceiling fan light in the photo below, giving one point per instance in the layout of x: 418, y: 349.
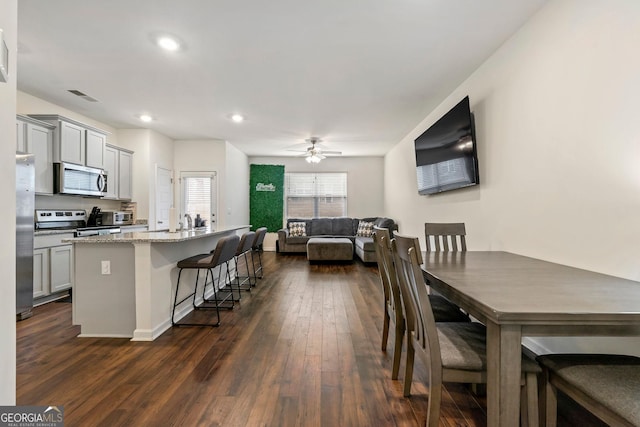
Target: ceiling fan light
x: 168, y: 43
x: 313, y: 158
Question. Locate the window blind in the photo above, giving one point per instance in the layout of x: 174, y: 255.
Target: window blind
x: 197, y: 196
x: 311, y: 195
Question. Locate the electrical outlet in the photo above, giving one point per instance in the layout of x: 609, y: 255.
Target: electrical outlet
x: 106, y: 267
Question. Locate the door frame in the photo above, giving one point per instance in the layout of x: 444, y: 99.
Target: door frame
x: 214, y: 188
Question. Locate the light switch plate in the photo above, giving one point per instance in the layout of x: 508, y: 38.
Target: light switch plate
x: 106, y: 267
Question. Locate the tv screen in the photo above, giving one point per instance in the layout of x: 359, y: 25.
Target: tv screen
x: 446, y: 156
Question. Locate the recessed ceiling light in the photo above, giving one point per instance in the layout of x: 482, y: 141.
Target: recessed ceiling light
x: 237, y: 118
x: 145, y: 118
x: 168, y: 43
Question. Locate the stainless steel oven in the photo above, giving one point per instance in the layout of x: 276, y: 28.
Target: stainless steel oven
x: 72, y: 220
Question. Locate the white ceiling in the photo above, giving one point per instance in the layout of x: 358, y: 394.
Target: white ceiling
x: 360, y: 74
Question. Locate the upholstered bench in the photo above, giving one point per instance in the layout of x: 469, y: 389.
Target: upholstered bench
x: 329, y: 249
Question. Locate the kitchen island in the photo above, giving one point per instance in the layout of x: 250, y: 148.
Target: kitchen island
x: 124, y: 284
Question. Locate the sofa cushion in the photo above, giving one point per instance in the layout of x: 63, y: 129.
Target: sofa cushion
x: 384, y: 223
x: 297, y: 240
x: 306, y: 221
x: 365, y: 229
x: 342, y: 226
x: 322, y: 226
x: 297, y: 229
x: 366, y: 244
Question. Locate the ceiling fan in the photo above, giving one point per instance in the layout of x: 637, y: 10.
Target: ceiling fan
x: 315, y: 152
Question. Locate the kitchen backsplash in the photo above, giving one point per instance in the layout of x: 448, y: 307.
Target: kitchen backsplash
x: 58, y: 201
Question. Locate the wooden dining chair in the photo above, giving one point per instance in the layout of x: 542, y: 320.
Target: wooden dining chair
x: 444, y: 310
x: 445, y: 237
x: 606, y: 385
x: 451, y: 352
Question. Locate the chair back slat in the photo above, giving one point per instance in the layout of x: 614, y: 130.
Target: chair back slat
x: 387, y: 270
x: 259, y: 237
x: 445, y: 237
x: 246, y: 241
x: 407, y: 254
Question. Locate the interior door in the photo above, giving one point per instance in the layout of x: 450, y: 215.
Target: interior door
x: 164, y: 197
x: 199, y: 196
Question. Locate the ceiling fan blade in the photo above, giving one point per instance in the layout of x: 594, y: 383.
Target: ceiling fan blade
x: 336, y: 153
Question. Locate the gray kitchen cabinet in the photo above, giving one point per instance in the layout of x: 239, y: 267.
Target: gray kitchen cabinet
x: 75, y: 142
x: 36, y: 137
x: 111, y: 168
x: 125, y: 171
x: 52, y: 264
x: 21, y: 143
x: 71, y: 143
x: 61, y: 263
x: 119, y: 167
x: 40, y: 143
x: 41, y: 273
x: 95, y: 148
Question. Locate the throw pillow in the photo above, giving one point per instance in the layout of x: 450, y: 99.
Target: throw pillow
x: 297, y: 229
x: 365, y: 229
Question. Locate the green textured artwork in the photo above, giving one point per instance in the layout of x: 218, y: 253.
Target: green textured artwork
x: 266, y: 196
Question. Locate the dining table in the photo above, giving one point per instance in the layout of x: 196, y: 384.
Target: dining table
x: 517, y: 296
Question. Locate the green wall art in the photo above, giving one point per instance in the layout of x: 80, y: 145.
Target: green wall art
x: 266, y: 197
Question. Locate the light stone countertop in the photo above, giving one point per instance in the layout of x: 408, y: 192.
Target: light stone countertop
x: 124, y: 229
x: 155, y: 236
x: 53, y: 232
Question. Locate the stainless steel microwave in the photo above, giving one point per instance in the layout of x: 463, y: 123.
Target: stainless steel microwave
x: 79, y: 180
x: 116, y: 218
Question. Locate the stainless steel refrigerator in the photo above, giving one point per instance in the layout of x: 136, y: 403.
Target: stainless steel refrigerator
x: 25, y: 204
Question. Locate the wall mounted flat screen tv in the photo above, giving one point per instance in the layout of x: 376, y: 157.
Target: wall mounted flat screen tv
x: 446, y: 157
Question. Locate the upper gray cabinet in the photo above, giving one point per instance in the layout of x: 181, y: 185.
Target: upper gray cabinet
x: 75, y: 142
x: 119, y: 167
x: 95, y: 146
x: 36, y: 137
x: 125, y: 172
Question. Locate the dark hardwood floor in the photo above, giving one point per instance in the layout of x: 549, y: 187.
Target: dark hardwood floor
x: 301, y: 349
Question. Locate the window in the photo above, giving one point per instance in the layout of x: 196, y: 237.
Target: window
x: 199, y: 195
x: 311, y: 195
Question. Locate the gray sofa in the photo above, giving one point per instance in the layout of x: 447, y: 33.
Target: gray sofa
x: 332, y: 227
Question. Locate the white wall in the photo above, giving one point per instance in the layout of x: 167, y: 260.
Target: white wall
x: 237, y: 186
x: 559, y: 148
x: 365, y: 179
x: 137, y: 140
x: 201, y: 156
x: 160, y: 155
x: 28, y: 104
x: 151, y: 150
x: 365, y: 183
x: 8, y: 23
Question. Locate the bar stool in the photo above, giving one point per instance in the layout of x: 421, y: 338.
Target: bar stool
x: 222, y: 297
x: 256, y: 247
x: 223, y: 252
x: 244, y: 247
